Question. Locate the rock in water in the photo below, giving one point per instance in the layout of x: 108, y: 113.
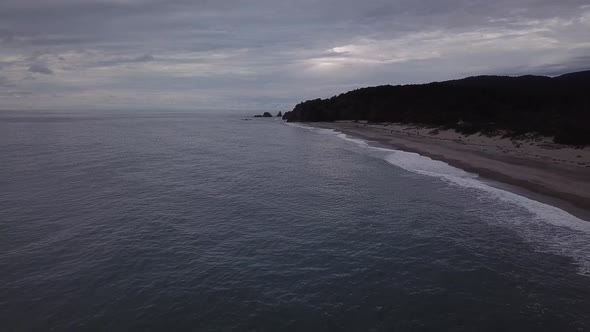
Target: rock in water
x: 264, y: 115
x: 280, y: 114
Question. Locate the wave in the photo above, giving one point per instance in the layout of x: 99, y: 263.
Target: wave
x: 562, y: 234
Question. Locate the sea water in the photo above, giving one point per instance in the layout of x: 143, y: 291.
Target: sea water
x: 144, y: 220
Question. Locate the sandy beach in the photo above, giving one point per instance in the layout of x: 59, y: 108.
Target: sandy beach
x: 533, y: 163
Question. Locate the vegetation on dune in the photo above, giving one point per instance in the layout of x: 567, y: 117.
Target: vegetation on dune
x: 558, y: 107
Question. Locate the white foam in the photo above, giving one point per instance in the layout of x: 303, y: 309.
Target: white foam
x: 552, y: 229
x: 314, y: 129
x: 416, y: 163
x: 356, y: 141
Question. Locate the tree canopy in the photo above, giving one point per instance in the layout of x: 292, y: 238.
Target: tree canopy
x: 558, y: 106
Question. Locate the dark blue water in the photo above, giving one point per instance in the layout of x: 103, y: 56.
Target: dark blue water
x: 147, y: 221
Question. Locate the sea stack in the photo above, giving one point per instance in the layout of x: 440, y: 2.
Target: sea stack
x: 264, y: 115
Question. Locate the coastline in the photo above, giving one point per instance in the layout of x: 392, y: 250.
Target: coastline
x: 533, y: 167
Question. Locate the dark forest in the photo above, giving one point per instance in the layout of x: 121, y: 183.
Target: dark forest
x: 557, y: 107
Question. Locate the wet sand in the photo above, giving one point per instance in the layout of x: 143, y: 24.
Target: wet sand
x: 533, y: 163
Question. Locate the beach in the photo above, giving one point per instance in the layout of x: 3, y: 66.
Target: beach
x: 535, y: 163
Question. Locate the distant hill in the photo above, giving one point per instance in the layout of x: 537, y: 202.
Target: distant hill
x: 558, y: 106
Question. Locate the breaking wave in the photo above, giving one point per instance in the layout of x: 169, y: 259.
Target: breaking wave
x: 549, y: 228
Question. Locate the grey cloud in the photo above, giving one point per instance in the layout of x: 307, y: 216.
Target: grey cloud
x: 230, y: 50
x: 5, y: 84
x: 124, y: 60
x: 10, y: 90
x: 40, y: 69
x: 572, y: 64
x: 15, y: 94
x: 6, y: 36
x: 143, y: 58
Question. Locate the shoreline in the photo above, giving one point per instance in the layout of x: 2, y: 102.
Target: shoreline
x: 532, y: 167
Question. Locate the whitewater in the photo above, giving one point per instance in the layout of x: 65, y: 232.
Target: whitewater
x: 548, y: 228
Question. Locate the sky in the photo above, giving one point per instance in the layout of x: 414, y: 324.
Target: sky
x: 270, y: 54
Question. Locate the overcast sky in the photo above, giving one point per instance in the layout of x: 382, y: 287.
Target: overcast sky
x: 269, y: 54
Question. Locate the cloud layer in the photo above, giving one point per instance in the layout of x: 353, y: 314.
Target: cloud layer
x: 269, y: 54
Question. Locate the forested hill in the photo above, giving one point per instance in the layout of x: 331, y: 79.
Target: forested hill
x: 558, y: 106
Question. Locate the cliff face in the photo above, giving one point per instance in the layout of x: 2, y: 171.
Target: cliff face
x: 558, y: 107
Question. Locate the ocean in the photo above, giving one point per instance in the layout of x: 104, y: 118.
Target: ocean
x: 202, y: 221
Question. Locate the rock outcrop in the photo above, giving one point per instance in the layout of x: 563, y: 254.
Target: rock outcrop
x: 264, y: 115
